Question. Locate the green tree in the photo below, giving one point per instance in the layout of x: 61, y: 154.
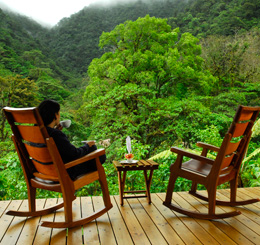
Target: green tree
x: 50, y: 88
x: 17, y: 92
x: 133, y: 87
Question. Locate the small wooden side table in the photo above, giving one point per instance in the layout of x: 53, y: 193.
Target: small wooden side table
x: 146, y: 166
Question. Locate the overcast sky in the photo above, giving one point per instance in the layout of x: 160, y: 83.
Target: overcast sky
x: 48, y: 12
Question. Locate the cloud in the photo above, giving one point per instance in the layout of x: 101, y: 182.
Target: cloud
x: 50, y: 12
x: 45, y: 11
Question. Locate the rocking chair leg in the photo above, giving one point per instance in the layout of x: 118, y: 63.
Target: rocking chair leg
x: 31, y: 198
x: 233, y: 190
x: 68, y: 210
x: 105, y: 191
x: 170, y: 189
x: 193, y: 187
x: 106, y: 196
x: 212, y: 201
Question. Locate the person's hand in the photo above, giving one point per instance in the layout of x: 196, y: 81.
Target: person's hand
x: 59, y: 127
x: 91, y: 143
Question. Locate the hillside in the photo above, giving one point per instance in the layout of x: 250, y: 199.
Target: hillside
x: 20, y: 35
x: 75, y: 39
x: 73, y: 43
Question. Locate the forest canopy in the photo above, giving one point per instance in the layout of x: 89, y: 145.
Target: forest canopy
x: 142, y: 84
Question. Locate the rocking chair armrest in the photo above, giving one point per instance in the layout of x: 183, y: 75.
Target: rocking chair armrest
x: 182, y: 152
x: 208, y: 146
x: 85, y: 158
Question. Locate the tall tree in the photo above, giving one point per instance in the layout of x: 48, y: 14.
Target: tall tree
x: 133, y: 87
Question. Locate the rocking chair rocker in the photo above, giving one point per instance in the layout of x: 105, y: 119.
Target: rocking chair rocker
x: 43, y: 168
x: 212, y: 173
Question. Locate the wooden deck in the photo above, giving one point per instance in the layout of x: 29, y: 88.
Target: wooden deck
x: 136, y: 222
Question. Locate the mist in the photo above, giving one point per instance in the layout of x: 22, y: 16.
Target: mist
x: 49, y: 13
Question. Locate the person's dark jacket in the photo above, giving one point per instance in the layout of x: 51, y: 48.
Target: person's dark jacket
x: 69, y: 153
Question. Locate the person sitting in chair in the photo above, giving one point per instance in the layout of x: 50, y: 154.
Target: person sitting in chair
x: 50, y: 113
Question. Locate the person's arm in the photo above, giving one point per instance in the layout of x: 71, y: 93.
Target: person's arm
x: 67, y: 150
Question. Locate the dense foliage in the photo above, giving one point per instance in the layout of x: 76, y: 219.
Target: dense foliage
x: 118, y: 71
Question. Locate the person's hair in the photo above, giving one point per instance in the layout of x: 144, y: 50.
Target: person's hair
x: 47, y: 110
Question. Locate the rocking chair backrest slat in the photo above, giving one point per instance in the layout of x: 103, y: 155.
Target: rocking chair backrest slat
x: 45, y: 169
x: 39, y: 154
x: 30, y: 134
x: 245, y: 115
x: 232, y: 147
x: 227, y: 160
x: 240, y: 133
x: 240, y: 129
x: 24, y: 116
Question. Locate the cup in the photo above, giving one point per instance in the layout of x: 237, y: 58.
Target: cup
x: 129, y: 157
x: 65, y: 123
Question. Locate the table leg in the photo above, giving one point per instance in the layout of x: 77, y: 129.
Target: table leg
x: 148, y: 181
x: 121, y: 182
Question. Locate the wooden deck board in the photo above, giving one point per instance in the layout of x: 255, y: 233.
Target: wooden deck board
x: 137, y: 222
x: 151, y: 231
x: 193, y: 225
x: 237, y: 230
x: 217, y: 234
x: 134, y: 228
x: 43, y: 234
x: 90, y: 233
x: 119, y: 227
x: 160, y: 221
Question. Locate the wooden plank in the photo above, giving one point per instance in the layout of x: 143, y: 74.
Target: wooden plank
x: 140, y: 164
x: 3, y: 207
x: 161, y: 223
x: 152, y: 232
x: 248, y: 217
x: 254, y: 192
x: 251, y: 194
x: 234, y: 222
x: 74, y: 235
x: 90, y: 229
x: 225, y: 225
x: 116, y: 163
x: 43, y: 234
x: 215, y: 230
x: 152, y: 162
x: 137, y: 223
x: 119, y: 227
x: 175, y: 221
x: 31, y: 225
x: 133, y: 225
x: 105, y: 230
x: 59, y: 236
x: 144, y: 163
x: 246, y: 226
x: 6, y: 220
x: 191, y: 223
x: 14, y: 230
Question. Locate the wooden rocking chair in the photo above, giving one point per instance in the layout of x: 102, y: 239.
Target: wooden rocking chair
x: 211, y: 173
x: 43, y: 168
